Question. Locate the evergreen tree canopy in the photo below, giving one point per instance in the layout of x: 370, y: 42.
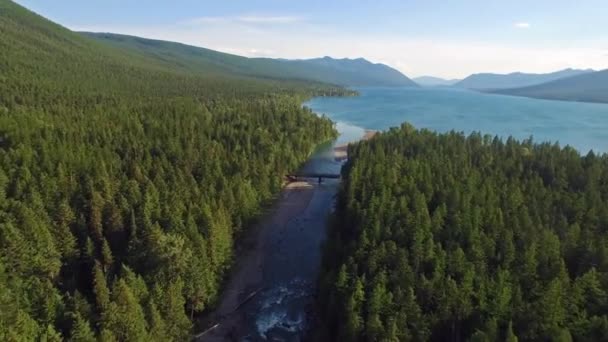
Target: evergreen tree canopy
x: 447, y: 237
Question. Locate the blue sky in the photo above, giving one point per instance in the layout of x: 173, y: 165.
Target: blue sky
x: 446, y: 38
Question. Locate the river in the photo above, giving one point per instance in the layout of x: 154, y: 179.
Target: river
x: 293, y: 256
x: 272, y: 288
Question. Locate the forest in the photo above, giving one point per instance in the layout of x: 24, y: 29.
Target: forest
x: 447, y: 237
x: 124, y: 183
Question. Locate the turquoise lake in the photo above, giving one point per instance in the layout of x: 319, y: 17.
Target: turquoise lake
x: 583, y: 126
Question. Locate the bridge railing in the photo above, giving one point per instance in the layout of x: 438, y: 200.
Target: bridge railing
x: 314, y: 175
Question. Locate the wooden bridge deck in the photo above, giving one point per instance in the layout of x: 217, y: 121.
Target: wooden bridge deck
x: 314, y: 175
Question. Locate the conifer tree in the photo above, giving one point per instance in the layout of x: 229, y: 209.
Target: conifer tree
x: 467, y: 238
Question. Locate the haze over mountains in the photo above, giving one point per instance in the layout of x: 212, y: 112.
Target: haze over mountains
x: 588, y: 87
x: 431, y: 81
x: 489, y: 81
x: 345, y: 72
x: 567, y: 85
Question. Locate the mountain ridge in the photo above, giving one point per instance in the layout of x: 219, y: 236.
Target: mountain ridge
x: 492, y: 81
x: 343, y: 72
x: 588, y: 87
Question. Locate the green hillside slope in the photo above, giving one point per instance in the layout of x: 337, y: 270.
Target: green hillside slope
x: 591, y: 87
x: 352, y: 72
x: 124, y: 181
x: 347, y: 72
x: 514, y: 80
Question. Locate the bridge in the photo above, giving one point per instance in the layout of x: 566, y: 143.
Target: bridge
x: 319, y: 176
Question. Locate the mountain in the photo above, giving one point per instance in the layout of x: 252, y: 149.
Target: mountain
x: 345, y: 72
x: 589, y: 87
x: 354, y: 72
x: 430, y: 81
x: 487, y: 81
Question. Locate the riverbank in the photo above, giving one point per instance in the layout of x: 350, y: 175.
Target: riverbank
x: 228, y: 321
x: 341, y: 151
x: 273, y: 282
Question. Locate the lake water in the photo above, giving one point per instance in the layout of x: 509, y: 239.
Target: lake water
x: 583, y: 126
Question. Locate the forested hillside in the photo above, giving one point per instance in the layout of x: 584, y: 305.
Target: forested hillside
x: 589, y: 87
x: 450, y: 238
x: 345, y: 72
x: 486, y: 81
x: 124, y: 182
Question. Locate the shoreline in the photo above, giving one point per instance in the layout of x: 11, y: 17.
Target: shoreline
x: 246, y: 280
x: 341, y: 151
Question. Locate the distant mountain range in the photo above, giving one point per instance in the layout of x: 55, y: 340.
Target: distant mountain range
x: 430, y: 81
x: 568, y: 84
x: 486, y: 81
x: 344, y: 72
x: 354, y: 72
x: 588, y: 87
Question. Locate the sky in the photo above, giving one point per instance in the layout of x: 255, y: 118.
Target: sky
x: 447, y: 38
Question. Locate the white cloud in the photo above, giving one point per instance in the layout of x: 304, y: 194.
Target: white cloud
x: 522, y: 25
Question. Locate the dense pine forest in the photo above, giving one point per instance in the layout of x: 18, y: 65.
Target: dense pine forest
x: 446, y: 237
x: 124, y: 182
